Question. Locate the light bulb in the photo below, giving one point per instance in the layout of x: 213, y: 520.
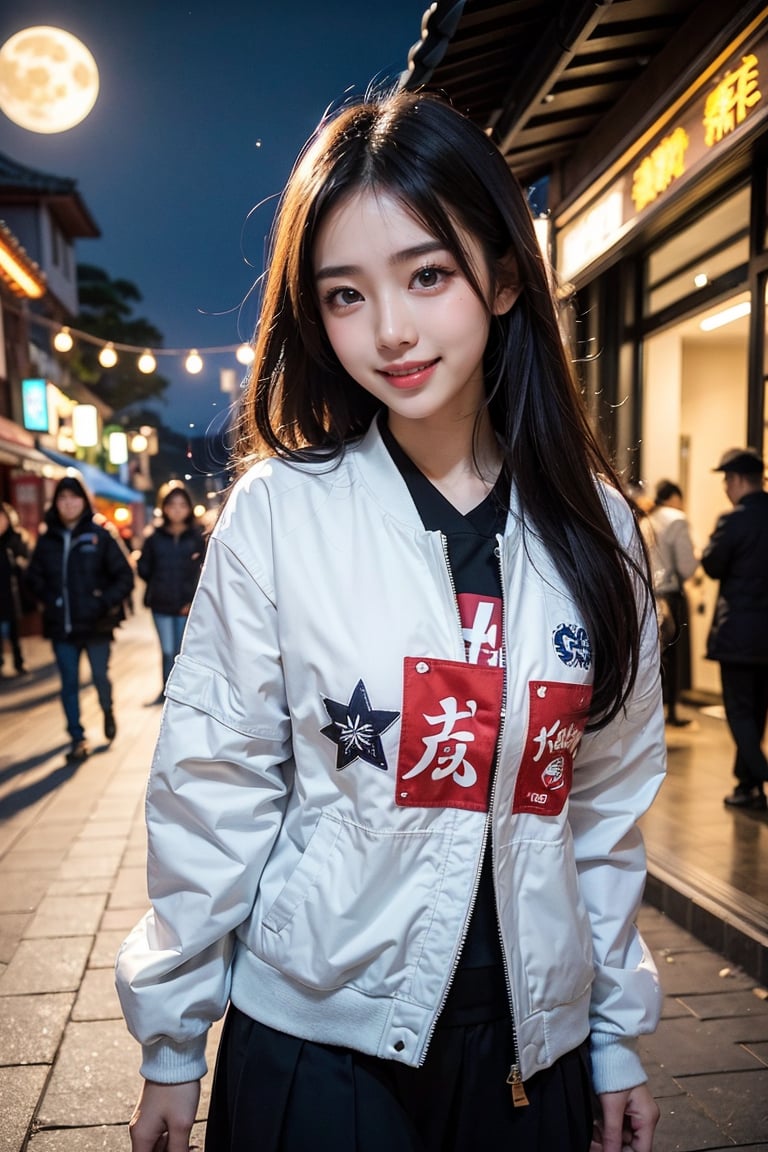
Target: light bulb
x: 146, y: 362
x: 63, y: 341
x: 244, y: 354
x: 193, y: 363
x: 117, y: 448
x: 108, y: 356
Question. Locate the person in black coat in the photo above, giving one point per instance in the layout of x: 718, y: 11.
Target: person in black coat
x: 14, y: 553
x: 170, y: 563
x: 737, y: 556
x: 80, y: 572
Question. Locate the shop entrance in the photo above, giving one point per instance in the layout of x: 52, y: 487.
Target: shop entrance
x: 695, y: 407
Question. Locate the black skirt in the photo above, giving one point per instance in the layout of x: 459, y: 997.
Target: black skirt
x: 277, y: 1093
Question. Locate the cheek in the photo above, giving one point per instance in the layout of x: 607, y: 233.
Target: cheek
x: 344, y: 337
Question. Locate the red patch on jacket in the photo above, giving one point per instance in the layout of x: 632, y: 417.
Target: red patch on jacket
x: 481, y: 623
x: 556, y: 722
x: 449, y: 731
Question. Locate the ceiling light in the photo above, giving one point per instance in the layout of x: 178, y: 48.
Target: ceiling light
x: 701, y: 280
x: 727, y: 316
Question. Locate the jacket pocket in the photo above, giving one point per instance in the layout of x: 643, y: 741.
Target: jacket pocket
x: 552, y: 936
x: 345, y: 917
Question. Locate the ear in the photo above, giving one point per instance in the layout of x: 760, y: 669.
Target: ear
x: 508, y: 286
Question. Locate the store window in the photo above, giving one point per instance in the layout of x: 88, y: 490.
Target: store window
x: 700, y: 254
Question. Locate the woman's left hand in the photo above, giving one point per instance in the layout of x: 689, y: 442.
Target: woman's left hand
x: 628, y: 1121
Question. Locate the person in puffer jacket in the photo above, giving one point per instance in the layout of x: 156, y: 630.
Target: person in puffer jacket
x: 170, y: 563
x: 416, y: 715
x: 80, y: 572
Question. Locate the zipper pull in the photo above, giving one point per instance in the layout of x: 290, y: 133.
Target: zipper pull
x: 519, y: 1098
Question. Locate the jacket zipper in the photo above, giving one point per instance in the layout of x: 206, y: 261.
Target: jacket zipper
x: 476, y: 885
x: 514, y: 1079
x: 519, y: 1098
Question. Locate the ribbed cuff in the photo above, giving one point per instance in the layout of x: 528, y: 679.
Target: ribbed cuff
x: 615, y: 1063
x: 168, y: 1063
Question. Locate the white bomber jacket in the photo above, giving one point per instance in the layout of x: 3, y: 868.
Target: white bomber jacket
x: 317, y: 800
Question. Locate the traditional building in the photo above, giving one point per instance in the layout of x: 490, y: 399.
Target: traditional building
x: 41, y: 218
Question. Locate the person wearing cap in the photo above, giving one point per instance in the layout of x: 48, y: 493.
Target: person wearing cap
x: 80, y: 572
x: 737, y: 556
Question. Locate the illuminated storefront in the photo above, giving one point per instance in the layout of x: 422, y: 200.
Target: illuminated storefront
x: 667, y: 254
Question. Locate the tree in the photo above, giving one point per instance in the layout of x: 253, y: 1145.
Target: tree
x: 106, y: 311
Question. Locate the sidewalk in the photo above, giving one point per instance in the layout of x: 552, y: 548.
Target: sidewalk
x: 72, y: 884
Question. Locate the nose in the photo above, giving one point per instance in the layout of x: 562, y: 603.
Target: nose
x: 395, y: 326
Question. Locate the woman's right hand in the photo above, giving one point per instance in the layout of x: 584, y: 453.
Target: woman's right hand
x: 163, y: 1117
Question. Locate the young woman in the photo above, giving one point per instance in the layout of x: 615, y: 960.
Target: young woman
x: 170, y: 563
x: 80, y: 572
x: 393, y: 807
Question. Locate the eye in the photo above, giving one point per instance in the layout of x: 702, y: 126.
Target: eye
x: 341, y: 297
x: 431, y: 276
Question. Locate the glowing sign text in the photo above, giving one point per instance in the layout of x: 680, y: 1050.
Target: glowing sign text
x: 657, y: 171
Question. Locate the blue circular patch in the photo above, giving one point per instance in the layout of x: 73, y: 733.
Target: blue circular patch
x: 572, y: 645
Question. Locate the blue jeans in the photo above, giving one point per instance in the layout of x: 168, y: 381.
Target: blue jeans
x: 170, y: 630
x: 67, y: 655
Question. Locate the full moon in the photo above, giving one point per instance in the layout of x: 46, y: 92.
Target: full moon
x: 48, y: 79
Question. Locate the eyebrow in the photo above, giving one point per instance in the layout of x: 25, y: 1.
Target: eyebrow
x: 333, y: 271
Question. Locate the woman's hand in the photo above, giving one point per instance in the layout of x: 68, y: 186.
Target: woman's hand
x: 629, y: 1120
x: 163, y: 1117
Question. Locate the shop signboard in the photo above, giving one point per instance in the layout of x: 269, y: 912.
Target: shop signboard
x: 715, y: 119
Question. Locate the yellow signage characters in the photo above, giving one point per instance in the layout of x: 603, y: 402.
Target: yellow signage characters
x: 730, y: 102
x: 657, y: 171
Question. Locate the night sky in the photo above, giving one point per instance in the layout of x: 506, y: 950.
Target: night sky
x: 201, y: 112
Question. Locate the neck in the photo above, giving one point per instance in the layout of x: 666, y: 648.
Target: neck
x: 459, y: 457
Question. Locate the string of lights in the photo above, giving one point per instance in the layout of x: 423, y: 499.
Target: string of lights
x: 65, y: 337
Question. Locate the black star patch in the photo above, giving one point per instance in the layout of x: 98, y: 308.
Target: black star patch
x: 357, y: 729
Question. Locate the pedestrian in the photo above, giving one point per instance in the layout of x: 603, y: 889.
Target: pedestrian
x: 366, y: 826
x: 80, y: 572
x: 737, y: 556
x: 14, y: 554
x: 673, y: 561
x: 170, y: 562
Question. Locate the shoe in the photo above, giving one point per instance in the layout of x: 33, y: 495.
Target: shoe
x: 78, y: 752
x: 110, y: 728
x: 752, y: 798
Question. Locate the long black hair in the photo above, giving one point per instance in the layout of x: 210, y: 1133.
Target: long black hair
x: 300, y: 403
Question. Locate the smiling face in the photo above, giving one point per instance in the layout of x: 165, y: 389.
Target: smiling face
x: 400, y: 314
